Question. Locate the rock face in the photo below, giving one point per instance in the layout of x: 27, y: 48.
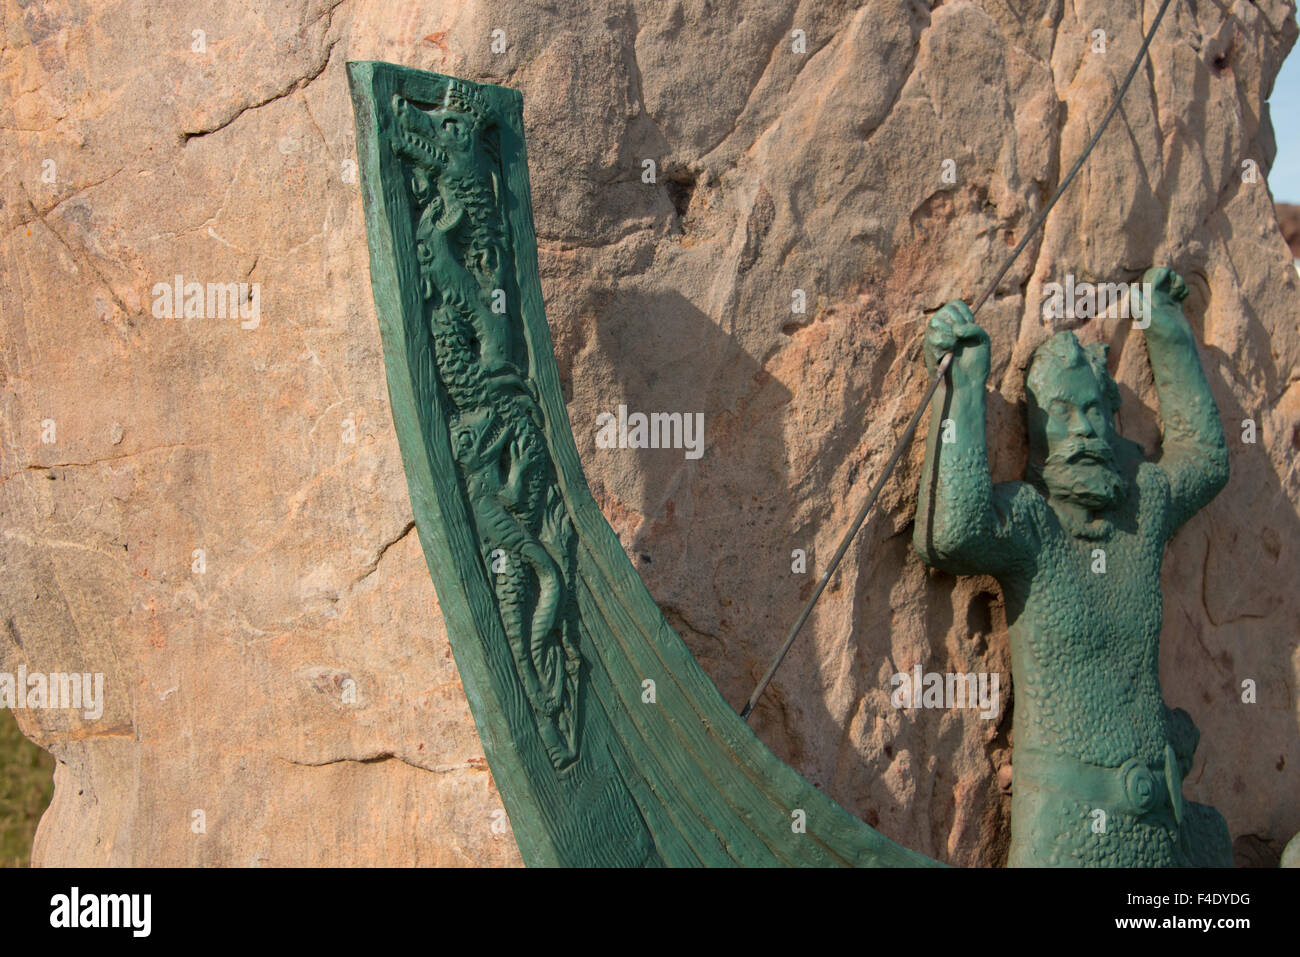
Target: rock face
x: 211, y: 512
x: 1288, y: 217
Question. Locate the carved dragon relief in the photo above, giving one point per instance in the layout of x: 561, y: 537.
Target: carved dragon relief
x: 554, y: 634
x: 526, y: 538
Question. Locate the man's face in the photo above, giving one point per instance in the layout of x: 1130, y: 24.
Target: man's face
x: 1080, y: 464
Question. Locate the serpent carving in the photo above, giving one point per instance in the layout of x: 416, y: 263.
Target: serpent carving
x: 496, y: 425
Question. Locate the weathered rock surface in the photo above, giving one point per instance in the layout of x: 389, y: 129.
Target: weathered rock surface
x: 1288, y: 217
x: 299, y: 691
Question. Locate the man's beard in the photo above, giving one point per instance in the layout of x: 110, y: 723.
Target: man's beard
x: 1083, y: 471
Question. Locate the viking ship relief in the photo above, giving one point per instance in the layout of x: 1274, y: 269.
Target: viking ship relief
x: 557, y: 640
x: 526, y: 540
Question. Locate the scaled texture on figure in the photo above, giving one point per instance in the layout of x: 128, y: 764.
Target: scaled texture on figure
x: 1077, y: 548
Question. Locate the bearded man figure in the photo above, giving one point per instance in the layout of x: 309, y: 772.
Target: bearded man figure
x: 1077, y: 550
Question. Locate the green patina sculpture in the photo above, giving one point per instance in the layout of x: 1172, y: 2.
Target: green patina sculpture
x: 608, y: 743
x: 1077, y: 549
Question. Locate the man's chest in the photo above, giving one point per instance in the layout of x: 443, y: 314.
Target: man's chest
x: 1097, y: 595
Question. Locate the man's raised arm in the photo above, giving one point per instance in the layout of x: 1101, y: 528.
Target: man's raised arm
x: 1194, y: 453
x: 959, y: 525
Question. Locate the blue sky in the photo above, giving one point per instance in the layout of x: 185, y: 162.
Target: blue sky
x: 1284, y: 106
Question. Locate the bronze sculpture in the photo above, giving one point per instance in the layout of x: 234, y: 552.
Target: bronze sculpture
x: 1077, y: 549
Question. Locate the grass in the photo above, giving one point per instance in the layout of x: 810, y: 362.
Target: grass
x: 26, y: 784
